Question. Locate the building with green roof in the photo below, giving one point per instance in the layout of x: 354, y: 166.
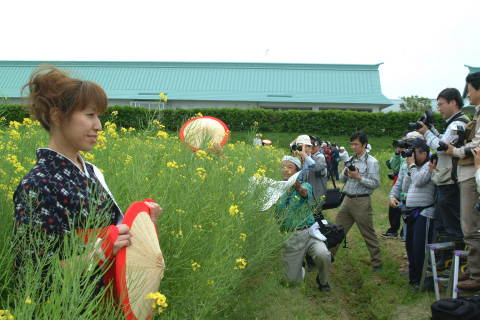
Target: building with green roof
x: 276, y: 86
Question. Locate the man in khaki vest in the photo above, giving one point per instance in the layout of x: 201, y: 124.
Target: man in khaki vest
x: 470, y: 217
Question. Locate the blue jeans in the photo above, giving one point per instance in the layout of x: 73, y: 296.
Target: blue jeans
x: 415, y: 245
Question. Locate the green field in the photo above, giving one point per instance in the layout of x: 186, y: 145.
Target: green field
x: 198, y: 228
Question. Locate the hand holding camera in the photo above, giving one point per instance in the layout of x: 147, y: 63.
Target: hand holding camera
x: 423, y: 124
x: 394, y: 202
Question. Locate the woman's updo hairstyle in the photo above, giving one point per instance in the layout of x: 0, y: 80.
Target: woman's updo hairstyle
x: 49, y: 88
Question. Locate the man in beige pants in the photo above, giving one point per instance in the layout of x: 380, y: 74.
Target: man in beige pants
x: 469, y: 215
x: 362, y: 177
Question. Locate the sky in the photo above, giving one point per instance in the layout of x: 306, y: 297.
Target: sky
x: 422, y: 44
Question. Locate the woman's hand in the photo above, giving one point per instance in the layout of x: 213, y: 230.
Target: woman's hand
x: 123, y: 239
x: 155, y: 211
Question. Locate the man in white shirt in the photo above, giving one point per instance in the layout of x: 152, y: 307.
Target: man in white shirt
x: 449, y: 104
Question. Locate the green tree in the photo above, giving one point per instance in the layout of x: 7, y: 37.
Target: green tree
x: 415, y: 103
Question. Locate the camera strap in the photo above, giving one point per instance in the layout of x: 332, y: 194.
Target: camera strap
x: 458, y: 117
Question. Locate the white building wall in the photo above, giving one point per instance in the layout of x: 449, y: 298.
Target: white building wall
x: 183, y: 104
x: 179, y: 104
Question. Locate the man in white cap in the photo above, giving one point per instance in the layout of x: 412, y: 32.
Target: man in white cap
x: 315, y: 167
x: 296, y: 217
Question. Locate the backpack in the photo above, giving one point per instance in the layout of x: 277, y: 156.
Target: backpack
x: 464, y: 308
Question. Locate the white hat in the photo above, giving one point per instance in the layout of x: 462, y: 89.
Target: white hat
x: 414, y: 135
x: 293, y: 160
x: 342, y: 148
x: 303, y: 139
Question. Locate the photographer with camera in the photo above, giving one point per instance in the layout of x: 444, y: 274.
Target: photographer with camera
x: 361, y: 176
x: 420, y: 197
x: 316, y: 170
x: 398, y: 165
x: 296, y: 217
x: 449, y: 103
x: 470, y: 218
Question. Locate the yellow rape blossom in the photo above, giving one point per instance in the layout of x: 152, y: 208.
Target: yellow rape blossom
x: 172, y: 164
x: 128, y: 159
x: 201, y: 153
x: 124, y: 130
x: 114, y: 113
x: 210, y: 282
x: 28, y: 300
x: 89, y: 156
x: 14, y: 134
x: 233, y: 210
x: 260, y: 173
x: 27, y: 122
x: 160, y: 301
x: 241, y: 264
x: 14, y: 124
x: 243, y: 237
x: 240, y: 169
x: 195, y: 265
x: 162, y: 134
x: 6, y: 315
x: 202, y: 173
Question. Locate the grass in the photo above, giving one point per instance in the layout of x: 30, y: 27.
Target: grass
x: 197, y: 227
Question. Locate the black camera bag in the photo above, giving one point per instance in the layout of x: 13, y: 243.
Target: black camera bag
x: 465, y: 308
x: 333, y: 197
x: 334, y: 234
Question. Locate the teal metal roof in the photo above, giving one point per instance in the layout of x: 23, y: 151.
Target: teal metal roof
x: 215, y: 81
x: 472, y: 69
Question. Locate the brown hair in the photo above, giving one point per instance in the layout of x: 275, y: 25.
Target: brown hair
x: 51, y: 88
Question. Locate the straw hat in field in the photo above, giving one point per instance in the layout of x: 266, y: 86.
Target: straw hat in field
x: 139, y: 267
x: 203, y: 132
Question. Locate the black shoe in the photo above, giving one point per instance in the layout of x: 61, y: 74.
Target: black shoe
x: 323, y: 287
x: 389, y: 235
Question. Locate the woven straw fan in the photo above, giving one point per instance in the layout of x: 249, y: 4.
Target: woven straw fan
x: 140, y: 266
x: 198, y: 132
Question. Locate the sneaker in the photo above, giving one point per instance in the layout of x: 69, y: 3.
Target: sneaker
x: 389, y: 235
x: 323, y: 287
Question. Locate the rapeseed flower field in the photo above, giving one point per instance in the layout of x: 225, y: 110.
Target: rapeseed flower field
x: 209, y: 209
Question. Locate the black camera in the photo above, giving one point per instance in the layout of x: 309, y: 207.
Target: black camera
x: 407, y: 153
x: 400, y: 144
x: 296, y: 147
x: 426, y: 118
x: 461, y: 133
x: 349, y: 164
x: 391, y: 176
x: 433, y: 157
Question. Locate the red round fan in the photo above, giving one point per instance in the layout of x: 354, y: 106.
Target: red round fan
x: 202, y: 132
x: 139, y: 267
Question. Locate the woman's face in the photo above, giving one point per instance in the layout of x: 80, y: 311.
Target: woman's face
x: 79, y: 132
x: 288, y: 169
